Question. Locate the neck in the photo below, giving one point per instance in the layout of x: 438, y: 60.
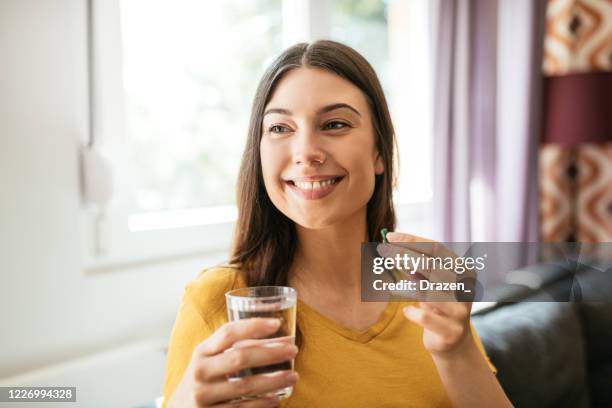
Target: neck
x: 329, y: 259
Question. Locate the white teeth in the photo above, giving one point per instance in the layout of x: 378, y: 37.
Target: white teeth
x: 306, y: 185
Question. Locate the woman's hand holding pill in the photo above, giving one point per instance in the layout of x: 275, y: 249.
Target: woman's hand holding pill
x: 447, y: 333
x: 444, y: 319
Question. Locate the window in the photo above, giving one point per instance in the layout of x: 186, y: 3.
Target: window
x: 190, y: 72
x: 186, y: 73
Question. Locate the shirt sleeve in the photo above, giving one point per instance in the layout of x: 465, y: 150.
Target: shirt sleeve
x: 189, y: 330
x: 482, y: 349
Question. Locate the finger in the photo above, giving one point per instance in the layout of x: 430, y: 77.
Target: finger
x: 231, y: 332
x: 399, y: 274
x: 438, y: 296
x: 253, y: 385
x: 263, y: 342
x: 265, y: 401
x: 234, y: 360
x: 439, y: 324
x: 419, y: 267
x: 411, y: 260
x: 390, y: 251
x: 405, y: 237
x: 422, y: 245
x: 457, y: 310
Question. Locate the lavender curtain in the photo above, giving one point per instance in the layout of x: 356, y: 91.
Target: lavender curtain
x: 487, y: 109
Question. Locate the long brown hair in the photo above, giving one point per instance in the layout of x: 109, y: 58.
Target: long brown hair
x: 265, y: 239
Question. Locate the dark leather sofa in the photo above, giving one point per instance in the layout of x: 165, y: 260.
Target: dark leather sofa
x: 554, y: 354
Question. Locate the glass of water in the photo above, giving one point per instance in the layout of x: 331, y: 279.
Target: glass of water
x: 265, y: 301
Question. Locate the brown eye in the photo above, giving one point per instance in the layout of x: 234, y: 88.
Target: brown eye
x: 278, y: 129
x: 335, y: 125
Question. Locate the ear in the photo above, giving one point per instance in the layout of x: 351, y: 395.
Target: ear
x: 379, y: 166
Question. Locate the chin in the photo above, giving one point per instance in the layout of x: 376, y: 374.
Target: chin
x: 313, y: 223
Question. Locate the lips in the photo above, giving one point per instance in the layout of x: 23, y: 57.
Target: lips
x: 314, y: 187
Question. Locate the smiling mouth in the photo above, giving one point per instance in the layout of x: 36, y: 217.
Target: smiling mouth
x: 313, y: 190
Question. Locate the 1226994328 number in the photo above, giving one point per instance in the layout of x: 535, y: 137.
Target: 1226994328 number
x: 38, y: 394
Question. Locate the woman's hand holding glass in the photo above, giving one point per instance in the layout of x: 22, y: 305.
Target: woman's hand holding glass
x: 207, y: 382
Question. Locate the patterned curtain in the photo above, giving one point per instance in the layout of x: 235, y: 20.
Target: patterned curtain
x: 576, y: 150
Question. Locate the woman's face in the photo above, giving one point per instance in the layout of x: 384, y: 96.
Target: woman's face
x: 318, y: 150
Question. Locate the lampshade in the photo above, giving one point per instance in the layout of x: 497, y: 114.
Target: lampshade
x: 578, y: 108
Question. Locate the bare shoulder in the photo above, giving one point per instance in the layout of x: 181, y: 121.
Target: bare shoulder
x: 208, y: 290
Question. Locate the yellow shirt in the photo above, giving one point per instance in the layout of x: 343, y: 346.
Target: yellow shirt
x: 384, y: 366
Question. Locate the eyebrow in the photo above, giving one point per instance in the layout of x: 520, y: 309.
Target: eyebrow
x: 324, y: 109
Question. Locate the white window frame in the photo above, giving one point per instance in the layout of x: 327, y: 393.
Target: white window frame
x: 114, y: 238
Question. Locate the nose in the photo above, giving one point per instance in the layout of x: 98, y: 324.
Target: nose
x: 307, y: 148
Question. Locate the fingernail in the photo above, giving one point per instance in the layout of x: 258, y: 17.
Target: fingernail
x: 275, y: 344
x: 273, y: 323
x: 277, y: 374
x: 382, y: 249
x: 292, y: 376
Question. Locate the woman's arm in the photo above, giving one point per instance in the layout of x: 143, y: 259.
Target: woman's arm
x: 465, y: 373
x: 447, y: 335
x: 469, y: 380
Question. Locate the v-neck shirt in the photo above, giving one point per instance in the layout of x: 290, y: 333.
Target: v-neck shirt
x: 385, y: 365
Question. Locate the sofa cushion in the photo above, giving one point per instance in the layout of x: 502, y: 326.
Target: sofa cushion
x: 597, y: 323
x: 539, y: 351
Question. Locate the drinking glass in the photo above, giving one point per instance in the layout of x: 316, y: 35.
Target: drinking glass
x: 265, y: 301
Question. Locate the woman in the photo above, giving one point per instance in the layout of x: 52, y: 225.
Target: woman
x: 315, y: 182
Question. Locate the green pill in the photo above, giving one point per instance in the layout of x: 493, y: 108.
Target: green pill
x: 383, y: 232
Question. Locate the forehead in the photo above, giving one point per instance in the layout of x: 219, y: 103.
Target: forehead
x: 308, y: 88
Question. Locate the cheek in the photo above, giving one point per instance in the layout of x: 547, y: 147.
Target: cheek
x: 363, y: 185
x: 362, y: 177
x: 271, y: 166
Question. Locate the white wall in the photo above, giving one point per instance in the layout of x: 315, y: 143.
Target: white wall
x: 49, y: 309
